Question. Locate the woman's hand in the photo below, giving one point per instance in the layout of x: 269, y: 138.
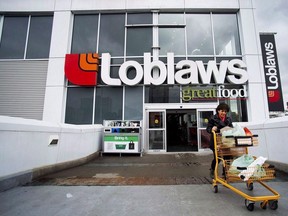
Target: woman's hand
x: 214, y: 128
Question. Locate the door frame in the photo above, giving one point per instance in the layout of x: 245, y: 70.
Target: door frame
x: 200, y: 127
x: 148, y: 129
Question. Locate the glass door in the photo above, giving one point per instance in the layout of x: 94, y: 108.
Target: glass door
x: 204, y: 136
x: 155, y: 132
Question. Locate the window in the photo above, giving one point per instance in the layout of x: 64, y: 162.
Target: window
x: 14, y: 37
x: 162, y: 94
x: 133, y: 103
x: 79, y: 105
x: 84, y: 39
x: 226, y: 34
x: 108, y: 105
x: 172, y: 40
x: 199, y: 34
x: 112, y: 32
x: 139, y: 40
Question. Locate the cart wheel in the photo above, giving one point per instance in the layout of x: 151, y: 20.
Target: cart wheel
x: 273, y: 204
x: 249, y: 206
x: 216, y: 189
x: 249, y: 186
x: 263, y: 205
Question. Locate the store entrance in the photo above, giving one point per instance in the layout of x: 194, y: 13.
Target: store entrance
x: 181, y: 130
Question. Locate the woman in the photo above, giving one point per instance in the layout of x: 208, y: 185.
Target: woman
x: 215, y: 123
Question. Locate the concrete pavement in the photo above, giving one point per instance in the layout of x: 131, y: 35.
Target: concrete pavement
x: 168, y: 200
x: 169, y: 184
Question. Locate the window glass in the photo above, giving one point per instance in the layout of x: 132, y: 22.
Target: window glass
x: 39, y: 37
x: 84, y: 38
x: 162, y: 94
x: 108, y: 105
x: 79, y: 105
x: 139, y: 40
x: 171, y: 18
x: 133, y: 103
x: 226, y: 34
x: 238, y: 107
x: 139, y: 18
x: 199, y: 34
x: 13, y: 37
x: 172, y: 40
x: 112, y: 32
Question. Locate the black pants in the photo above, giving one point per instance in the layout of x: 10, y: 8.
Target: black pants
x: 213, y: 164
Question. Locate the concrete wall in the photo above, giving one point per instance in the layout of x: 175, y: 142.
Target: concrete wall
x: 273, y: 142
x: 25, y: 152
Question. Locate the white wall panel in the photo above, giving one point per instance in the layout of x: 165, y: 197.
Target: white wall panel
x: 152, y: 4
x: 98, y: 5
x: 63, y: 5
x: 27, y: 5
x: 56, y: 76
x: 54, y: 103
x: 257, y: 107
x: 61, y: 32
x: 212, y: 4
x: 249, y: 35
x: 254, y: 69
x: 245, y: 3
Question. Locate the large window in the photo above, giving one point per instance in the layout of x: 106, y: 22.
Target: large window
x: 112, y: 32
x: 139, y: 34
x: 85, y: 34
x: 226, y: 34
x: 79, y: 105
x: 108, y: 104
x: 199, y: 34
x: 26, y: 37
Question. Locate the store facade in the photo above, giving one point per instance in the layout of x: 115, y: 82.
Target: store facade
x: 167, y: 65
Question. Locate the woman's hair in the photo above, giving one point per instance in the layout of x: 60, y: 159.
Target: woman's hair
x: 223, y: 106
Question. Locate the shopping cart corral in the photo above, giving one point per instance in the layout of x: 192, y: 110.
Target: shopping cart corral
x: 230, y: 149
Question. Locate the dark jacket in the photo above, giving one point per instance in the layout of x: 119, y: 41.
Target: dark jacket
x: 216, y: 121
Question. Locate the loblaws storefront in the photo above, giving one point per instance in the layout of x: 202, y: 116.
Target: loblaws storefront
x: 168, y: 67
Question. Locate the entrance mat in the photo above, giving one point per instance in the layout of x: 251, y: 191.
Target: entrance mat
x: 118, y: 181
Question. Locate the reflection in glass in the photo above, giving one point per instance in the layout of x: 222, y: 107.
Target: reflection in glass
x: 199, y: 34
x: 79, y: 105
x: 108, y: 104
x: 171, y: 18
x: 133, y: 103
x: 139, y: 40
x: 84, y: 37
x: 204, y: 118
x: 139, y: 18
x: 205, y: 139
x: 226, y: 34
x: 156, y: 140
x: 172, y: 40
x: 13, y: 37
x: 156, y: 120
x: 162, y: 94
x: 112, y: 32
x: 39, y: 37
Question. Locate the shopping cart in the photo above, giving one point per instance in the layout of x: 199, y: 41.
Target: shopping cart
x: 227, y: 153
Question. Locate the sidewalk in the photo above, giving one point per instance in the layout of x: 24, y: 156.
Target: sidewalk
x: 168, y: 200
x: 167, y: 184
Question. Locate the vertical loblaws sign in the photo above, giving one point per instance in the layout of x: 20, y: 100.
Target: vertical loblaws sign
x: 271, y: 70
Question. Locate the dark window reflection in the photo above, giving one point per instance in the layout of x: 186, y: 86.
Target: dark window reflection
x: 84, y: 38
x: 112, y: 32
x: 79, y: 105
x: 13, y: 37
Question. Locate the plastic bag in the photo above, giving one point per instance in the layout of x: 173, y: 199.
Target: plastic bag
x: 252, y: 168
x: 241, y: 163
x: 237, y: 130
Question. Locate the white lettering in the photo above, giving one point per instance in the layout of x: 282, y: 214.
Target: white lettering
x: 187, y: 72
